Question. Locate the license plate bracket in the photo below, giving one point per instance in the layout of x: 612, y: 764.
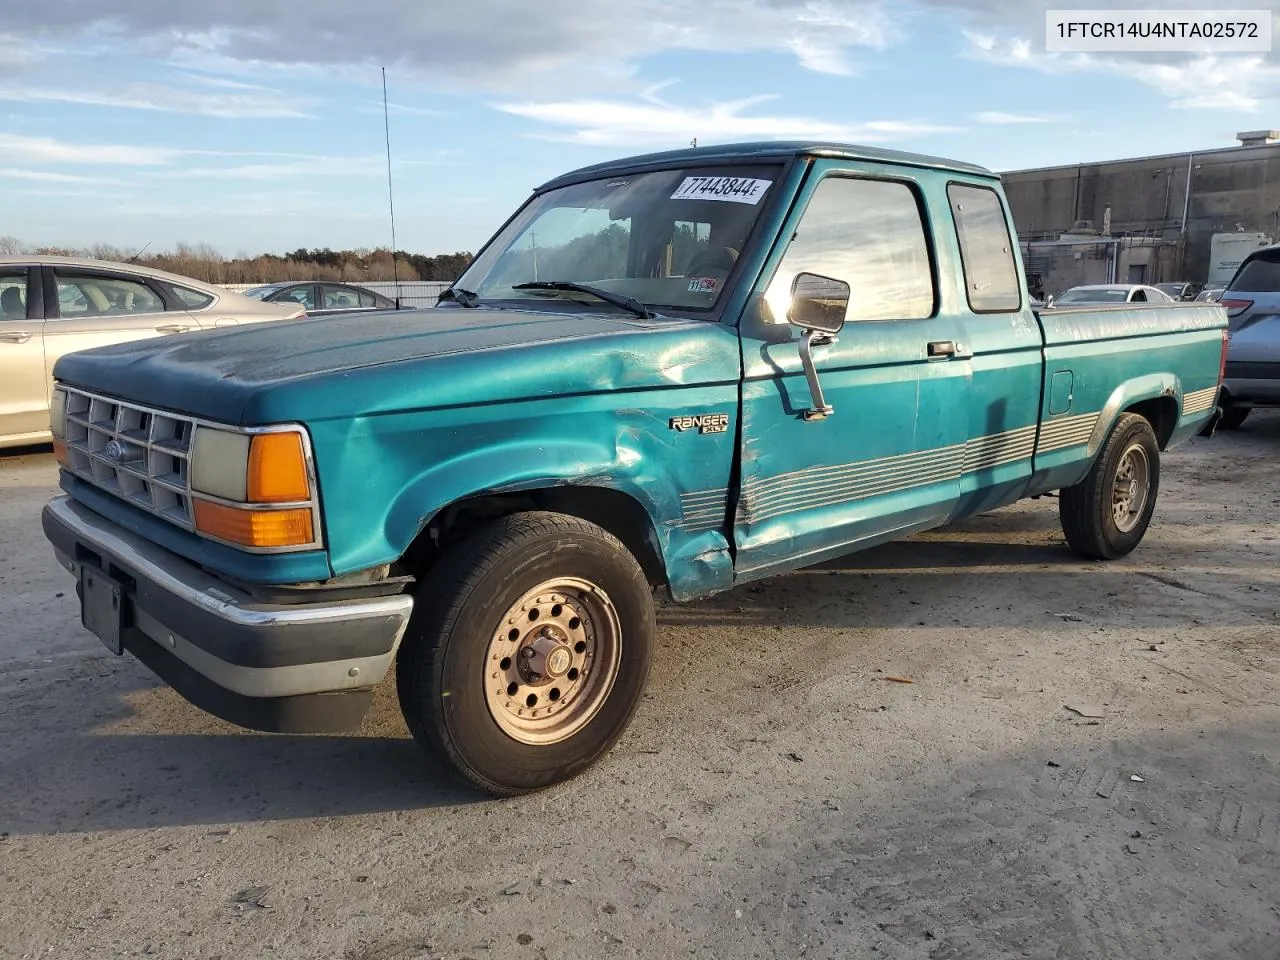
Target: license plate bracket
x: 102, y: 607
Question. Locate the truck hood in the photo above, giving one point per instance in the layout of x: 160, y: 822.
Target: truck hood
x: 361, y: 364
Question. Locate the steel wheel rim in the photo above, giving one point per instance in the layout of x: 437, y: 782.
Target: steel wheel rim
x: 552, y: 661
x: 1131, y: 488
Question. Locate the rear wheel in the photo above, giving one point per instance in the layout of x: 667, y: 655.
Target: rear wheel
x: 528, y: 653
x: 1106, y: 514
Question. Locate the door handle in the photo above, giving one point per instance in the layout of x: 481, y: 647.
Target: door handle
x: 942, y: 348
x: 16, y: 336
x: 173, y: 328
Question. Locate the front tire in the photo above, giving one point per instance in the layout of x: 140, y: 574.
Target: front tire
x: 1106, y: 514
x: 528, y: 652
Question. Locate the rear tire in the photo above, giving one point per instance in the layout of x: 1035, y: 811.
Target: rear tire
x: 528, y: 652
x: 1233, y: 415
x: 1106, y: 514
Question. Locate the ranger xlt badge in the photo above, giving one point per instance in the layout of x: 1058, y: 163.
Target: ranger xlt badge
x: 702, y: 422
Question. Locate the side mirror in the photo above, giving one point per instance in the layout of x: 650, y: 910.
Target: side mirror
x: 818, y: 303
x: 1048, y: 301
x: 818, y: 307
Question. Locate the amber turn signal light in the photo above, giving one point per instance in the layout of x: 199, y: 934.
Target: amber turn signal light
x: 255, y: 528
x: 60, y: 453
x: 278, y: 469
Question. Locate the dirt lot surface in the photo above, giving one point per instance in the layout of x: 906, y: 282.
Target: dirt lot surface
x: 1087, y: 765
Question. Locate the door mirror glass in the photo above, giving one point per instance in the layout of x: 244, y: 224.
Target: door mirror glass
x: 818, y: 303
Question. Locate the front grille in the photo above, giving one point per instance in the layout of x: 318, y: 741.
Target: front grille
x: 138, y: 453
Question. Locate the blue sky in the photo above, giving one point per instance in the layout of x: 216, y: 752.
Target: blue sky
x: 255, y: 125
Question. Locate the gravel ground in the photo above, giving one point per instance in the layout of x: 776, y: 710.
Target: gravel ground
x: 1086, y: 765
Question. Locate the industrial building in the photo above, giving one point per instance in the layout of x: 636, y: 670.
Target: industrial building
x: 1186, y: 216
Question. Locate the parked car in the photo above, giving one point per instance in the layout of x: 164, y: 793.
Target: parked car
x: 1111, y: 293
x: 321, y: 299
x: 50, y: 306
x: 1181, y: 289
x: 1252, y: 300
x: 747, y: 360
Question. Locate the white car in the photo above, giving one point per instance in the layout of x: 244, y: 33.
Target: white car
x: 50, y: 306
x: 1112, y: 293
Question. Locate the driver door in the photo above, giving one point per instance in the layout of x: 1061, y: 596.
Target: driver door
x: 888, y: 459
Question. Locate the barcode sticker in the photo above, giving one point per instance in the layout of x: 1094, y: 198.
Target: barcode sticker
x: 729, y: 189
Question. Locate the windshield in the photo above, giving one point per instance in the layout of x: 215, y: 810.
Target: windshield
x: 1093, y: 296
x: 259, y: 293
x: 668, y: 239
x: 1172, y: 289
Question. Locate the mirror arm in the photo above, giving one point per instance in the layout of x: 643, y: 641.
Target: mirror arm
x: 820, y: 409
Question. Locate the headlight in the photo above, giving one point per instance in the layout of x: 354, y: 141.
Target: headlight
x: 58, y: 413
x: 58, y: 425
x: 218, y: 463
x: 254, y: 489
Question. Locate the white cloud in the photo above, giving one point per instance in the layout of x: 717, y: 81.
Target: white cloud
x: 999, y: 118
x: 496, y: 44
x: 251, y: 104
x: 653, y: 122
x: 47, y: 150
x: 1238, y: 83
x: 44, y: 176
x: 400, y: 109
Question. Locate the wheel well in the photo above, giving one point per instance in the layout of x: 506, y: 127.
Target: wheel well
x: 613, y: 510
x: 1161, y: 413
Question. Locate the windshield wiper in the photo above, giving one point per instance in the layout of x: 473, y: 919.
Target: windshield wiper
x: 617, y: 299
x: 463, y: 297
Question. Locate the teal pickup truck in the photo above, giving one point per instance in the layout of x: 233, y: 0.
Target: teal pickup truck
x: 685, y: 371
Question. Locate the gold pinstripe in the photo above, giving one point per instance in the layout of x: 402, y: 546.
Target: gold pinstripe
x: 1066, y: 432
x: 814, y: 487
x: 1199, y: 401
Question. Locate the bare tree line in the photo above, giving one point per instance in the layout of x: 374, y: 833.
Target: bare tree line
x: 201, y: 261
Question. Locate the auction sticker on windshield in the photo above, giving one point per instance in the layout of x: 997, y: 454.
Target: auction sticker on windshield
x: 731, y: 189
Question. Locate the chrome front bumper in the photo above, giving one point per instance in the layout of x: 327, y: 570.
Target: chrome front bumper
x: 307, y: 667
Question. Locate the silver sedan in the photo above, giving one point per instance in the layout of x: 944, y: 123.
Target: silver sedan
x: 50, y: 306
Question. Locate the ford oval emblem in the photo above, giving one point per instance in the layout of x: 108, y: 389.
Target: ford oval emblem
x: 114, y: 450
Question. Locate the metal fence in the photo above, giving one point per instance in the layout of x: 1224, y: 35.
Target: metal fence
x: 415, y: 293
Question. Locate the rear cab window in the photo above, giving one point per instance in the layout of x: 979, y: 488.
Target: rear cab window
x: 986, y: 249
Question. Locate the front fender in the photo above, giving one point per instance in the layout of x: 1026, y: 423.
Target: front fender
x: 382, y: 479
x: 524, y: 465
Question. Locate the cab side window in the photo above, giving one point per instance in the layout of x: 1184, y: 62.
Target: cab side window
x: 871, y: 235
x: 986, y: 249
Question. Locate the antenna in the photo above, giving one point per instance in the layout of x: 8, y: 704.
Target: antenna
x: 391, y: 197
x: 139, y: 253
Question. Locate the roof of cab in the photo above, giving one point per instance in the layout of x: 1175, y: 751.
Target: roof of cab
x: 758, y: 151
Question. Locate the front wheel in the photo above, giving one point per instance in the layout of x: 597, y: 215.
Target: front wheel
x: 1106, y: 514
x: 528, y: 652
